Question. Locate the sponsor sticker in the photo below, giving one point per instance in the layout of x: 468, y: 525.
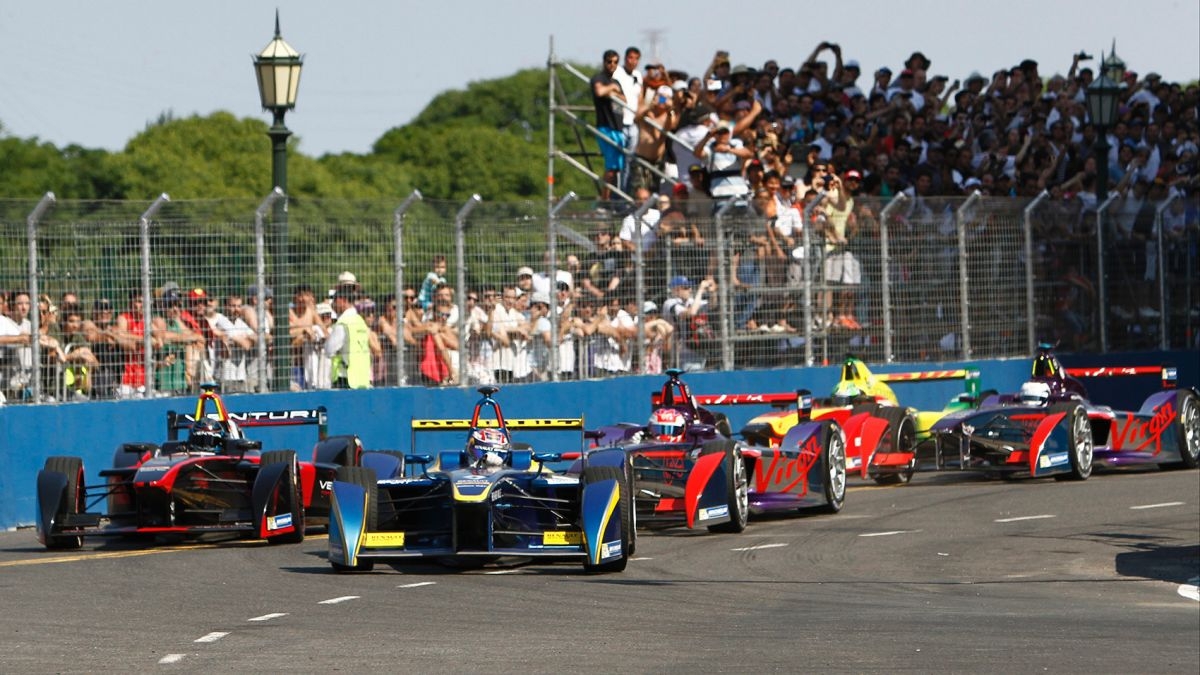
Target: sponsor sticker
x: 714, y: 512
x: 279, y: 522
x: 610, y: 550
x: 562, y: 538
x: 1043, y: 461
x: 1060, y: 458
x: 384, y: 539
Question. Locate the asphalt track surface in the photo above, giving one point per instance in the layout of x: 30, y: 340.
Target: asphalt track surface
x: 954, y: 572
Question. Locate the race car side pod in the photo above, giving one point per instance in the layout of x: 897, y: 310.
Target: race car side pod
x: 1168, y: 372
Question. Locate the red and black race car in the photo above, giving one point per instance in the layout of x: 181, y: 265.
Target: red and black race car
x: 216, y: 481
x: 687, y: 470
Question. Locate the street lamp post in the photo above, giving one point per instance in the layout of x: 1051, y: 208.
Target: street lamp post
x: 1102, y: 96
x: 277, y: 68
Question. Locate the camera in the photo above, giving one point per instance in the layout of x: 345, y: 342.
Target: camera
x: 1083, y: 56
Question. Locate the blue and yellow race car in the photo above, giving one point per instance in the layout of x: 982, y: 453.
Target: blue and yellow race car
x: 490, y: 500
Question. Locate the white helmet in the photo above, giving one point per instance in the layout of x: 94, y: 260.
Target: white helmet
x: 1034, y: 393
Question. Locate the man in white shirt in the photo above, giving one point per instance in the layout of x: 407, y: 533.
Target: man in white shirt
x: 648, y: 221
x: 630, y: 79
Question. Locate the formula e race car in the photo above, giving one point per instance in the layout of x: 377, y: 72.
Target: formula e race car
x: 1050, y: 427
x: 687, y: 470
x: 216, y: 481
x: 492, y: 499
x: 880, y: 433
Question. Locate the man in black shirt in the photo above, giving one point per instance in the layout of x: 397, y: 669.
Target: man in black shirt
x: 609, y: 121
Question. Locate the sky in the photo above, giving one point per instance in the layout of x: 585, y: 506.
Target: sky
x: 95, y: 73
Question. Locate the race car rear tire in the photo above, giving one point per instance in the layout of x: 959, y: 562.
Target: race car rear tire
x: 594, y: 474
x: 1188, y: 420
x: 902, y: 433
x: 737, y: 486
x: 833, y: 463
x: 363, y: 477
x: 73, y: 498
x: 1079, y: 441
x: 294, y: 488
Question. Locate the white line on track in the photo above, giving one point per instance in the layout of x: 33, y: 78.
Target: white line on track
x: 213, y: 637
x: 1191, y: 589
x: 334, y: 601
x: 888, y: 533
x: 502, y: 572
x: 640, y: 558
x: 758, y: 547
x: 1013, y: 520
x: 268, y: 617
x: 417, y: 585
x: 1156, y: 506
x: 171, y: 658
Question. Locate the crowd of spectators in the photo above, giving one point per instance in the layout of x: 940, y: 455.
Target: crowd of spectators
x: 779, y: 138
x: 824, y: 140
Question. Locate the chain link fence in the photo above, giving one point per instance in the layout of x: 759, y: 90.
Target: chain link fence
x: 475, y: 292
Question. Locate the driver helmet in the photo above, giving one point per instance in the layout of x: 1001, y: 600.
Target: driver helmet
x: 206, y: 434
x: 845, y: 393
x: 484, y: 441
x: 667, y: 424
x: 1034, y: 393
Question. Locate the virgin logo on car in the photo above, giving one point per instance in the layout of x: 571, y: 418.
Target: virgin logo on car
x: 1135, y: 434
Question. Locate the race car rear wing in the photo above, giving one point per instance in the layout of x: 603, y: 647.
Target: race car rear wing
x: 317, y: 417
x: 801, y: 398
x: 1168, y: 372
x: 970, y: 377
x: 523, y: 424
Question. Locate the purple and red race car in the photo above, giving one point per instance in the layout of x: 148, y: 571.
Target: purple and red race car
x: 1051, y: 428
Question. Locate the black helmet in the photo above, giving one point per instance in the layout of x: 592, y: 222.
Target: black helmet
x: 206, y: 434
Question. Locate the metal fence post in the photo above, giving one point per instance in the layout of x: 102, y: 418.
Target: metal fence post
x: 35, y: 314
x: 1030, y: 316
x: 808, y: 253
x: 639, y: 271
x: 723, y: 288
x: 460, y: 262
x: 1103, y: 293
x: 964, y: 286
x: 147, y: 295
x: 552, y: 275
x: 885, y: 275
x: 1163, y: 342
x: 260, y: 284
x: 398, y: 268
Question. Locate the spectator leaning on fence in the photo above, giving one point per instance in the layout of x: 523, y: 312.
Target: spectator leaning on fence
x: 348, y: 345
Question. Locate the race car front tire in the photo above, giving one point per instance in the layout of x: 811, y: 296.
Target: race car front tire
x: 1188, y: 420
x: 72, y: 500
x: 833, y: 463
x: 365, y: 478
x: 1079, y: 441
x: 293, y: 488
x: 902, y: 433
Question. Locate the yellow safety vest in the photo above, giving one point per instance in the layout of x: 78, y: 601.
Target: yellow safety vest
x: 356, y: 367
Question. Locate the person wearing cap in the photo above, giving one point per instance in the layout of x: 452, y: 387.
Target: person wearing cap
x: 686, y: 310
x: 654, y: 120
x: 658, y: 337
x: 539, y: 336
x: 348, y: 345
x: 724, y: 155
x: 176, y: 345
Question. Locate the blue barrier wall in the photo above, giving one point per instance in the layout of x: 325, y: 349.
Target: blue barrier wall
x: 380, y: 417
